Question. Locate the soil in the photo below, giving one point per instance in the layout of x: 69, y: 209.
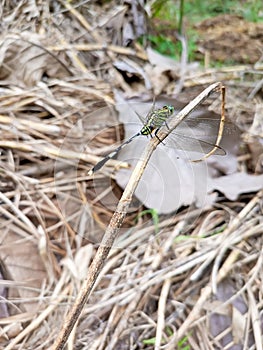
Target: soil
x: 230, y: 38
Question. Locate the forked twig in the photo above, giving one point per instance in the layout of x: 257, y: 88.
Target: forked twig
x: 119, y: 215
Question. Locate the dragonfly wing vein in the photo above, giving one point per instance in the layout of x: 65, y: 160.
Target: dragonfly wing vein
x: 192, y: 144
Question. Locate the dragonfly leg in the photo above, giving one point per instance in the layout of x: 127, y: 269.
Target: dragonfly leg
x: 155, y: 134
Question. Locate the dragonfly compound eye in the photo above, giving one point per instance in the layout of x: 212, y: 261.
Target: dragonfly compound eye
x: 169, y: 109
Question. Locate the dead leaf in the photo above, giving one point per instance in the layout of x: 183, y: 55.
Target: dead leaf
x: 164, y: 63
x: 3, y: 294
x: 254, y: 139
x: 235, y: 184
x: 239, y: 322
x: 25, y: 268
x: 132, y: 68
x: 23, y: 59
x: 78, y: 267
x: 233, y: 318
x: 158, y: 78
x: 256, y: 128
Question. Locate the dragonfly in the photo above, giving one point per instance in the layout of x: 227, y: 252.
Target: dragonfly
x: 154, y: 120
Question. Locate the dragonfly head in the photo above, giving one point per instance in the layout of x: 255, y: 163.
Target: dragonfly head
x: 168, y: 109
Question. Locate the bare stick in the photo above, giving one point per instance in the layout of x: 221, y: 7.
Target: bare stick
x: 118, y: 217
x: 220, y: 130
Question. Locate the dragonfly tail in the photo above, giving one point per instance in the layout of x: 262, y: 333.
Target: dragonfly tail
x: 111, y: 155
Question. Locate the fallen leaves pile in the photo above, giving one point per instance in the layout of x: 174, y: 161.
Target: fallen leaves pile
x: 186, y: 277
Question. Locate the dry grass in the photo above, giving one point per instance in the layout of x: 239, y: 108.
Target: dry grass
x: 182, y: 278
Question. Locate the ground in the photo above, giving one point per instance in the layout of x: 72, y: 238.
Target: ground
x: 185, y: 276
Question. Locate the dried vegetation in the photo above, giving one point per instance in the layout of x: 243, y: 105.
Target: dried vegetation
x: 193, y: 280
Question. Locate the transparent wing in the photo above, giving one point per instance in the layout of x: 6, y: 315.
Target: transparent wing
x: 145, y: 118
x: 199, y: 134
x: 191, y: 144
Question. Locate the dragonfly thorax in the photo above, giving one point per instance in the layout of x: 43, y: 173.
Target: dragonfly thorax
x: 156, y: 119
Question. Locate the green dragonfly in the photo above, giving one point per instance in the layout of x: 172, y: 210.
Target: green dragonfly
x: 155, y: 119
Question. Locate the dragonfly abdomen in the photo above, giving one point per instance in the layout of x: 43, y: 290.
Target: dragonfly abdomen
x: 147, y: 130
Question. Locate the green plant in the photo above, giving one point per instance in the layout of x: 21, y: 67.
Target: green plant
x: 165, y: 46
x: 154, y: 215
x: 182, y: 344
x: 253, y: 11
x: 168, y: 17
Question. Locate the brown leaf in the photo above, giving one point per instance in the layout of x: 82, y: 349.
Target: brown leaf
x: 24, y: 59
x: 235, y: 184
x: 25, y: 268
